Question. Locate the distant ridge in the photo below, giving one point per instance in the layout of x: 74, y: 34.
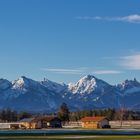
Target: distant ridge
x: 25, y: 94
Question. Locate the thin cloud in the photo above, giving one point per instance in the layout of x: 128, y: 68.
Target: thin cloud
x: 107, y: 72
x: 63, y: 71
x: 80, y: 71
x: 131, y: 61
x: 135, y: 18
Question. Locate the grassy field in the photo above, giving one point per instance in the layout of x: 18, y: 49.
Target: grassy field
x: 70, y: 134
x: 72, y: 137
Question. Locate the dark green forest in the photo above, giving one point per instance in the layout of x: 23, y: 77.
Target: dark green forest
x: 64, y: 114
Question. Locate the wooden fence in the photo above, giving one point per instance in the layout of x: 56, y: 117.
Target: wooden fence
x: 125, y: 124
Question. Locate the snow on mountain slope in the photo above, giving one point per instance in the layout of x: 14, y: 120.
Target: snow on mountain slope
x: 23, y: 82
x: 130, y: 89
x: 87, y: 84
x: 53, y: 86
x: 22, y: 86
x: 25, y: 94
x: 129, y: 86
x: 29, y: 95
x: 90, y: 92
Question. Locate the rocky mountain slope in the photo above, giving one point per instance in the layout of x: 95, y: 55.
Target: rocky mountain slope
x: 89, y: 92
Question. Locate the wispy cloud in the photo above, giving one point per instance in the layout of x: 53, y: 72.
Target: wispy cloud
x: 107, y: 72
x: 63, y: 71
x: 131, y: 61
x: 80, y: 71
x: 135, y: 18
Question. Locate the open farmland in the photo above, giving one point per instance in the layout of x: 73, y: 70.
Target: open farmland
x: 73, y: 137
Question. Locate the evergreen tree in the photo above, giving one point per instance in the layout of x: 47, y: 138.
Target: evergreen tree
x: 63, y: 113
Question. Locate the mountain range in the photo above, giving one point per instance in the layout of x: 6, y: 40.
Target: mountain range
x: 25, y: 94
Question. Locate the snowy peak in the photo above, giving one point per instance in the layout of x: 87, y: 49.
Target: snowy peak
x: 24, y: 82
x: 53, y: 86
x: 88, y: 93
x: 87, y: 84
x: 5, y: 84
x: 88, y: 78
x: 129, y: 86
x: 19, y: 82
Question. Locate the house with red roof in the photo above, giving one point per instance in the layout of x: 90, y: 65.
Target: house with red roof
x: 95, y: 122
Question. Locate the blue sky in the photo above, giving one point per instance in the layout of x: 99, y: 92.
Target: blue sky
x: 64, y: 40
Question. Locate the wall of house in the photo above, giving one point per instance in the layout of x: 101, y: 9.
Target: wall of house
x: 32, y: 125
x: 90, y: 125
x: 29, y: 125
x: 95, y: 124
x: 26, y: 124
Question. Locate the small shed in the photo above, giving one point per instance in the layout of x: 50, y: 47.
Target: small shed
x: 95, y: 122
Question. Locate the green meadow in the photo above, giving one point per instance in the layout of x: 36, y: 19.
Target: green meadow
x: 71, y: 138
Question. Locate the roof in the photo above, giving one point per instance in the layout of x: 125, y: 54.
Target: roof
x: 96, y: 119
x: 47, y: 118
x: 43, y: 118
x: 27, y: 120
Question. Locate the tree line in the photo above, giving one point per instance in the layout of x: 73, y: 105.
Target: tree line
x: 8, y: 115
x: 112, y: 114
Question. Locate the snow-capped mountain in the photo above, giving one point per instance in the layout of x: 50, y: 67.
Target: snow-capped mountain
x: 25, y: 94
x: 88, y: 84
x: 130, y: 89
x: 28, y: 95
x: 90, y: 92
x: 129, y: 86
